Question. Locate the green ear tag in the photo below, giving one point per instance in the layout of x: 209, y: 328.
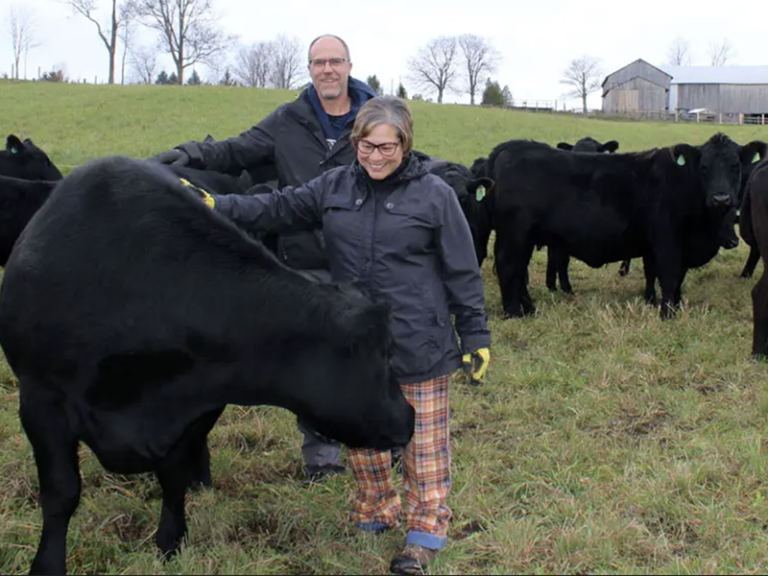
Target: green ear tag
x: 681, y: 160
x: 480, y: 193
x: 756, y: 157
x: 14, y: 150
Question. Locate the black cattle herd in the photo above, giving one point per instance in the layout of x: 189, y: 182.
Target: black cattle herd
x: 132, y: 314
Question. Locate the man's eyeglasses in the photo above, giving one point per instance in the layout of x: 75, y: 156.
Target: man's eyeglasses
x: 386, y: 148
x: 320, y: 63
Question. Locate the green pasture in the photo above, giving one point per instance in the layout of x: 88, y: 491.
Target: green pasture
x: 604, y: 440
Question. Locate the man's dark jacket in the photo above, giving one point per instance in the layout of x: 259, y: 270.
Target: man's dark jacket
x: 292, y: 139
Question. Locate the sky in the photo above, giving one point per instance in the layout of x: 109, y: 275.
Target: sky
x: 536, y: 38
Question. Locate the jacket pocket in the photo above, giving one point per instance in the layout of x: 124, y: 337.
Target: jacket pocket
x: 341, y: 226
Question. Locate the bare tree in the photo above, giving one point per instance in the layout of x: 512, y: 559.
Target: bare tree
x: 286, y: 63
x: 22, y: 33
x: 583, y: 74
x: 144, y: 63
x: 253, y: 66
x: 186, y: 29
x: 720, y: 53
x: 434, y: 67
x: 127, y: 35
x: 108, y: 28
x: 679, y: 53
x: 480, y: 61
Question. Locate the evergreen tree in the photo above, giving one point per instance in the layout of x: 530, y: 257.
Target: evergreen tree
x: 375, y: 85
x: 492, y: 95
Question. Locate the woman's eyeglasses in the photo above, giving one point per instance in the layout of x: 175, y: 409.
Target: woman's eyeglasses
x: 385, y: 148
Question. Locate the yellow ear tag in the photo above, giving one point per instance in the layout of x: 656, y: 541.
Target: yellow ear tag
x: 756, y: 158
x: 480, y: 193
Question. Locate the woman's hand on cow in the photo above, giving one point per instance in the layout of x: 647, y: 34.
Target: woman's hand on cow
x: 204, y: 196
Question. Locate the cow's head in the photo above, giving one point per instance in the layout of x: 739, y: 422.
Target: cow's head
x: 22, y: 159
x: 353, y: 396
x: 479, y: 167
x: 721, y: 163
x: 471, y: 191
x: 589, y: 144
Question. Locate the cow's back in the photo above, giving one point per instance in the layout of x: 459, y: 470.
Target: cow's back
x: 594, y: 203
x: 129, y: 232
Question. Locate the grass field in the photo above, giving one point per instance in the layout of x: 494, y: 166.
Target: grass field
x: 604, y: 440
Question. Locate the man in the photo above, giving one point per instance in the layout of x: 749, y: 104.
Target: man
x: 302, y: 139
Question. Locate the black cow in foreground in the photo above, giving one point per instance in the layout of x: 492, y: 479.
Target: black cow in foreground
x: 26, y: 161
x: 666, y: 205
x: 132, y: 315
x: 756, y: 198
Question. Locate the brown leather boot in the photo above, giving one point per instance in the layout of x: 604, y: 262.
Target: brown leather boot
x: 413, y: 559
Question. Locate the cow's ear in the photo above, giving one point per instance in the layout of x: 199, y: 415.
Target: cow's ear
x: 13, y: 145
x: 209, y: 139
x: 684, y: 154
x: 611, y: 146
x: 480, y: 187
x: 565, y: 146
x: 753, y: 152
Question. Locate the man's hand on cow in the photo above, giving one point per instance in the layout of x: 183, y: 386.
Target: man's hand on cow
x: 173, y: 157
x: 476, y: 365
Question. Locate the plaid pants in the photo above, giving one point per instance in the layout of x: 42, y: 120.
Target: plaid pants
x: 426, y: 473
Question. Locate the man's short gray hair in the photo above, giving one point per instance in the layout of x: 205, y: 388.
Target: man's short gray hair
x: 311, y: 44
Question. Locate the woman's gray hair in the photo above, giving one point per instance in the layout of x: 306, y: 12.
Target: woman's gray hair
x: 387, y: 110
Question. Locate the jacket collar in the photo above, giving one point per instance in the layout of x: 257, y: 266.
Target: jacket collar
x: 410, y: 168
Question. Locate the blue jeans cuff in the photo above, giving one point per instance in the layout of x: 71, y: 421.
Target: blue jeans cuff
x: 377, y: 527
x: 426, y: 540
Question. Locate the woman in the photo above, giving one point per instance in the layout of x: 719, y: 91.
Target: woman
x: 399, y: 232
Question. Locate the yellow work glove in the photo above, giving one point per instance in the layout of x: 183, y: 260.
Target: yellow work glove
x: 204, y: 196
x: 476, y: 365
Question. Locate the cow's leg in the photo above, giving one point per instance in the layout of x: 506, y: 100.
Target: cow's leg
x: 553, y: 256
x: 175, y: 474
x: 752, y: 260
x: 528, y: 307
x: 624, y: 268
x: 678, y: 296
x: 649, y: 269
x: 201, y: 474
x: 174, y: 480
x: 54, y: 446
x: 512, y: 258
x: 760, y: 318
x: 670, y: 272
x: 563, y: 261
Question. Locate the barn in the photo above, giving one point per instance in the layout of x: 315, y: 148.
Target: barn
x: 635, y: 88
x: 734, y: 94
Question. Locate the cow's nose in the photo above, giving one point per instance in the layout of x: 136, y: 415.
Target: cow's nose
x: 722, y: 199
